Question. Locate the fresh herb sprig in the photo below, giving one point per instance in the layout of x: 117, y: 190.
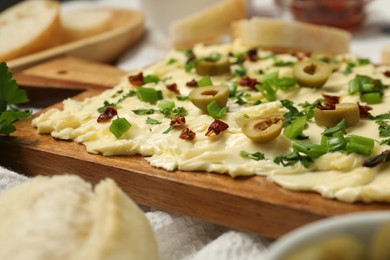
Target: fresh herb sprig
x: 10, y: 95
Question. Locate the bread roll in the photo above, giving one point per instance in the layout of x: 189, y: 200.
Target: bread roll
x: 28, y: 27
x: 63, y: 218
x: 83, y: 23
x: 282, y: 35
x: 208, y: 25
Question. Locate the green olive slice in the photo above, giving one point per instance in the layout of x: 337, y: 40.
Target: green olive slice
x: 201, y: 97
x: 312, y: 73
x: 329, y: 118
x: 212, y: 68
x: 263, y: 130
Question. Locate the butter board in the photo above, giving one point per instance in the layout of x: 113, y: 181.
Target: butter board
x: 252, y: 204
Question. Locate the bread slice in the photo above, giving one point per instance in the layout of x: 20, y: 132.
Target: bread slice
x: 63, y: 218
x: 28, y: 27
x: 208, y: 25
x: 385, y: 55
x: 83, y: 23
x: 280, y: 35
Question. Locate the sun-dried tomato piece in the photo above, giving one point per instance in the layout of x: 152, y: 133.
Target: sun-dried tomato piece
x: 216, y: 127
x: 329, y: 99
x: 299, y: 55
x: 251, y: 55
x: 387, y: 73
x: 137, y: 80
x: 173, y: 87
x: 107, y: 114
x: 180, y: 120
x: 248, y: 82
x: 187, y: 134
x: 364, y: 111
x: 193, y: 83
x: 325, y: 106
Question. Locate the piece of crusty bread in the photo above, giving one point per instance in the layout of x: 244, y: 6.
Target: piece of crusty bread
x: 63, y: 218
x: 28, y: 27
x: 83, y: 23
x: 207, y: 25
x: 385, y: 55
x: 283, y: 35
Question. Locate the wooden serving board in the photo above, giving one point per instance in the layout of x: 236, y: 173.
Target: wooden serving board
x: 251, y: 204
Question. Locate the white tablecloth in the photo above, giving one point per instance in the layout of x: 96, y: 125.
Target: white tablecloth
x: 183, y: 237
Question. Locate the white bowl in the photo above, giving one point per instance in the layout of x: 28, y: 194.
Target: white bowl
x: 360, y: 225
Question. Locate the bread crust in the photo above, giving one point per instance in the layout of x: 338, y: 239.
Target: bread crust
x: 284, y: 36
x: 62, y: 217
x: 208, y: 25
x: 45, y: 36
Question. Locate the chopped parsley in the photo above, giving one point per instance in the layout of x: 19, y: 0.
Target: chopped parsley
x: 215, y: 111
x: 142, y: 111
x: 352, y: 64
x: 151, y: 121
x: 271, y: 83
x: 254, y: 156
x: 115, y: 104
x: 170, y: 128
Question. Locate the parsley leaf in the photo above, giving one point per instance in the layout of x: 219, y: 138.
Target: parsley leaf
x: 254, y: 156
x: 10, y: 94
x: 215, y: 111
x: 9, y: 89
x: 151, y: 121
x: 141, y: 111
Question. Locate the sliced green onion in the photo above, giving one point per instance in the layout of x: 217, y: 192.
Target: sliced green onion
x: 334, y: 143
x: 371, y: 98
x: 119, y: 126
x: 311, y: 150
x: 205, y: 81
x: 340, y: 127
x: 149, y: 95
x: 360, y: 144
x: 295, y: 129
x: 215, y: 111
x: 151, y: 79
x: 182, y: 98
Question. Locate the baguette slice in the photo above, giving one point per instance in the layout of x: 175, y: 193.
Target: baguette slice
x: 385, y: 55
x: 208, y: 25
x: 83, y: 23
x: 28, y: 27
x: 63, y: 218
x: 285, y: 36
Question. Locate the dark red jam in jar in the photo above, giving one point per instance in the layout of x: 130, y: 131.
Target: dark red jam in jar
x: 345, y: 14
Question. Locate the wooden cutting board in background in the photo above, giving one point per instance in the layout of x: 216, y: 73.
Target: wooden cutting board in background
x: 250, y: 204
